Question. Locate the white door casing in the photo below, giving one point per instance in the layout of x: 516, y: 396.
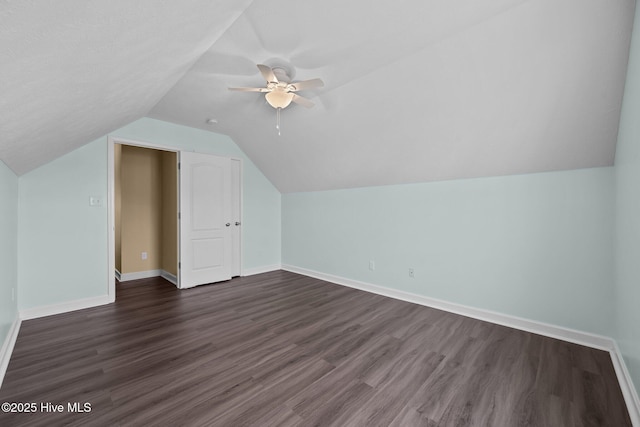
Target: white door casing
x: 205, y: 219
x: 236, y: 217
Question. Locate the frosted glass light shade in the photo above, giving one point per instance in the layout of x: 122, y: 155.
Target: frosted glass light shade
x: 279, y: 99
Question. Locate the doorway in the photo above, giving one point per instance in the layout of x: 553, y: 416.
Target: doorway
x: 234, y: 221
x: 146, y: 211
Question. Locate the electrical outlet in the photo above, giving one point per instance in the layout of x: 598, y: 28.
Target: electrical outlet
x: 411, y: 273
x: 372, y: 265
x: 144, y: 255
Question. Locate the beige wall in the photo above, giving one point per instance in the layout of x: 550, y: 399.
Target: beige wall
x: 169, y: 212
x: 146, y: 197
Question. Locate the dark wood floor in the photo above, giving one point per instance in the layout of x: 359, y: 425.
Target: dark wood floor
x: 280, y: 349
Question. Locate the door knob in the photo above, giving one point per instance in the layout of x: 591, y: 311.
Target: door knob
x: 237, y: 222
x: 228, y: 224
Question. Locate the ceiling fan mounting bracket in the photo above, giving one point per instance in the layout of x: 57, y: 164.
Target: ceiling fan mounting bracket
x: 284, y: 70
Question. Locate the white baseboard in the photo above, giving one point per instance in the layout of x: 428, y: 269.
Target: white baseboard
x: 64, y: 307
x: 260, y: 270
x: 125, y: 277
x: 169, y: 277
x: 7, y: 347
x: 566, y: 334
x: 626, y: 385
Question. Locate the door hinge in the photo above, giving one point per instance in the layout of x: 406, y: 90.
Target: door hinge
x: 179, y: 264
x: 179, y: 165
x: 179, y: 217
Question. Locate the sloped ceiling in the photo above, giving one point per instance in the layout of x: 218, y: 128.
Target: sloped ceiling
x: 74, y: 70
x: 415, y: 90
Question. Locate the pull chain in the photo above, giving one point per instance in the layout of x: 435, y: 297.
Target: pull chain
x: 278, y: 119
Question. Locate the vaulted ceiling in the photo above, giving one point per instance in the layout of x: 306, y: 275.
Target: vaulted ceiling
x: 415, y: 90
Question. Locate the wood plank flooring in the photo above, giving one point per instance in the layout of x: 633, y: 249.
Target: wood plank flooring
x: 281, y: 349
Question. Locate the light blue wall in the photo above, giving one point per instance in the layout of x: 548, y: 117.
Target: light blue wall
x: 62, y: 254
x: 535, y: 246
x: 627, y: 247
x: 8, y: 249
x: 63, y: 240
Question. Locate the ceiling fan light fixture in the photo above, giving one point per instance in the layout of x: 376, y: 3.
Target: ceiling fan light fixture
x: 280, y: 92
x: 279, y: 98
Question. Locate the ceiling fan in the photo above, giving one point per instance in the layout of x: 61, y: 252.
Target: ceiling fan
x: 280, y: 92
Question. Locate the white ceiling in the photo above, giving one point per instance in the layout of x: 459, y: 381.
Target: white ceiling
x: 415, y: 90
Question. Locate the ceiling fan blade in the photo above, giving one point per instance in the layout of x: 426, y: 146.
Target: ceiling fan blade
x: 306, y: 84
x: 249, y: 89
x: 267, y: 73
x: 302, y: 101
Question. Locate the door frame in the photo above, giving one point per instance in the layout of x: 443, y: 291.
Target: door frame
x: 112, y: 140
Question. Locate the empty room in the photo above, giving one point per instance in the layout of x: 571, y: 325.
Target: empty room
x: 280, y: 213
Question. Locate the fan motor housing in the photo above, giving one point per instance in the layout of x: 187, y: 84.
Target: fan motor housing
x: 284, y: 71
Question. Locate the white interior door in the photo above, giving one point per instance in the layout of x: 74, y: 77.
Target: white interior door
x: 205, y: 219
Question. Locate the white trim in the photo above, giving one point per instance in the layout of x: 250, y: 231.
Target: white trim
x: 169, y: 277
x: 7, y: 347
x: 179, y: 223
x: 125, y: 277
x: 118, y: 275
x: 144, y: 144
x: 626, y: 385
x: 260, y: 270
x: 64, y: 307
x: 111, y: 222
x: 178, y: 209
x: 566, y: 334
